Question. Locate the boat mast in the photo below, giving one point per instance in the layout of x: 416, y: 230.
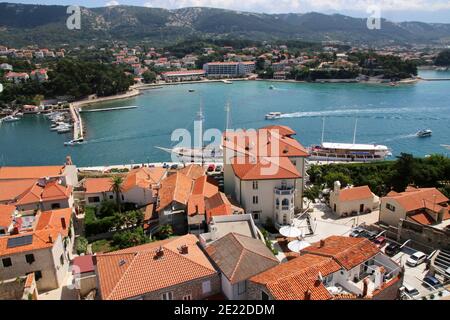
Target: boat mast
x: 228, y: 119
x: 354, y: 133
x: 323, y: 129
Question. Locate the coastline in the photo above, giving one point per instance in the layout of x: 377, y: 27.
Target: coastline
x: 135, y: 90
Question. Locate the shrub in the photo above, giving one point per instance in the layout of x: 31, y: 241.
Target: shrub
x: 81, y: 245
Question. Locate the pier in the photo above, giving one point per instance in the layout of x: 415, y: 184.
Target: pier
x: 436, y: 79
x: 78, y: 132
x: 109, y: 109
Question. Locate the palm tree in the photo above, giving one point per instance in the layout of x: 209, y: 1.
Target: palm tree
x: 116, y: 187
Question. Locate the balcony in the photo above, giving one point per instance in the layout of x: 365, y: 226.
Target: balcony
x: 284, y: 191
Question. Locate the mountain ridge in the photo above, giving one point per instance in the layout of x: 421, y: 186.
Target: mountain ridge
x: 26, y: 24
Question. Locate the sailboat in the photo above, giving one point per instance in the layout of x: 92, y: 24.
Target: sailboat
x: 348, y: 152
x: 200, y: 153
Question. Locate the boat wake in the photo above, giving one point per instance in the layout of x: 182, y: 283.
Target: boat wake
x: 382, y: 113
x: 400, y: 137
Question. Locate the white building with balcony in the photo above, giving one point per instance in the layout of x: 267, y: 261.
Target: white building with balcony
x: 264, y: 170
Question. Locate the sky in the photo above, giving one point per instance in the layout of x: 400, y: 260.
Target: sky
x: 395, y: 10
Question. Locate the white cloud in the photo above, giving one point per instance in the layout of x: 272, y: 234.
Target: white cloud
x: 112, y: 3
x: 271, y: 6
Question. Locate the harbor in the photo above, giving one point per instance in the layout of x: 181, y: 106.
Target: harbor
x: 390, y: 116
x: 107, y: 109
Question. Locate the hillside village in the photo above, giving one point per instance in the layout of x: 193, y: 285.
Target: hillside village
x: 227, y: 232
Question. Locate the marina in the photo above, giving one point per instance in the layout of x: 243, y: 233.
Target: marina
x: 389, y: 116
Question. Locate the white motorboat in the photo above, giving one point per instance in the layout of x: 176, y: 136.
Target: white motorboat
x: 227, y: 82
x: 273, y: 115
x: 272, y: 87
x: 74, y: 142
x: 10, y: 119
x: 424, y: 133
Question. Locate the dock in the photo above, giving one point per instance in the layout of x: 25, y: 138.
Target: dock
x: 109, y: 109
x: 436, y: 79
x: 78, y: 132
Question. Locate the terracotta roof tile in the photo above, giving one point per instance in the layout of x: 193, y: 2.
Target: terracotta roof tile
x: 135, y: 271
x: 98, y: 185
x: 17, y: 173
x: 203, y: 188
x: 291, y: 280
x: 264, y: 168
x: 356, y: 193
x: 193, y: 171
x: 347, y: 251
x: 6, y: 215
x: 176, y: 187
x: 414, y: 199
x: 143, y: 177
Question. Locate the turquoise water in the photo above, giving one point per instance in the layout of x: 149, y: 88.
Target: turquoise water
x: 386, y: 115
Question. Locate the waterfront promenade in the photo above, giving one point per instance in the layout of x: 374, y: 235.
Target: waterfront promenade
x: 78, y: 133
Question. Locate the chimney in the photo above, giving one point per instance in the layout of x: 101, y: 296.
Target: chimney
x: 50, y: 238
x: 159, y: 253
x: 337, y: 186
x: 322, y: 243
x: 307, y: 295
x: 366, y: 287
x: 183, y: 249
x: 63, y: 223
x: 69, y: 161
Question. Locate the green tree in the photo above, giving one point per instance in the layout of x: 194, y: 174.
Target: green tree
x: 443, y: 58
x: 166, y: 231
x: 312, y: 193
x: 331, y: 177
x: 149, y: 76
x: 130, y: 238
x: 116, y: 187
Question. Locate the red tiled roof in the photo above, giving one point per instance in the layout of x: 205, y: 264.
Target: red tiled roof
x: 415, y: 199
x: 193, y: 171
x: 98, y: 185
x: 48, y: 225
x: 422, y: 218
x: 264, y: 168
x: 182, y: 73
x: 6, y: 215
x: 143, y: 177
x: 347, y: 251
x: 291, y: 280
x: 356, y: 193
x: 83, y: 264
x: 135, y: 271
x: 218, y: 205
x: 18, y: 173
x: 10, y: 190
x: 204, y: 187
x: 176, y: 187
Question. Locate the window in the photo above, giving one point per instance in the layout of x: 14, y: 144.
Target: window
x: 256, y: 216
x: 167, y: 296
x: 206, y: 287
x: 37, y: 275
x: 56, y: 206
x: 255, y: 200
x: 187, y: 297
x: 7, y: 262
x: 2, y: 231
x: 94, y: 199
x: 390, y: 207
x: 264, y: 296
x: 29, y: 258
x: 111, y: 197
x: 61, y: 259
x: 255, y: 185
x: 242, y: 287
x: 294, y: 162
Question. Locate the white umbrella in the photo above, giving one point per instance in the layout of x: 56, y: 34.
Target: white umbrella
x: 290, y: 232
x: 298, y: 245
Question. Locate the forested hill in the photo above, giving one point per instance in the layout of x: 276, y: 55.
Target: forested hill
x: 23, y: 24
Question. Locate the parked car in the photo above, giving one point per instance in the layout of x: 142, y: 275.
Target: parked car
x: 356, y: 232
x: 219, y: 168
x: 392, y: 249
x: 416, y: 258
x: 432, y: 281
x: 410, y: 291
x: 379, y: 241
x: 174, y: 167
x: 165, y: 166
x: 211, y: 168
x: 368, y: 235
